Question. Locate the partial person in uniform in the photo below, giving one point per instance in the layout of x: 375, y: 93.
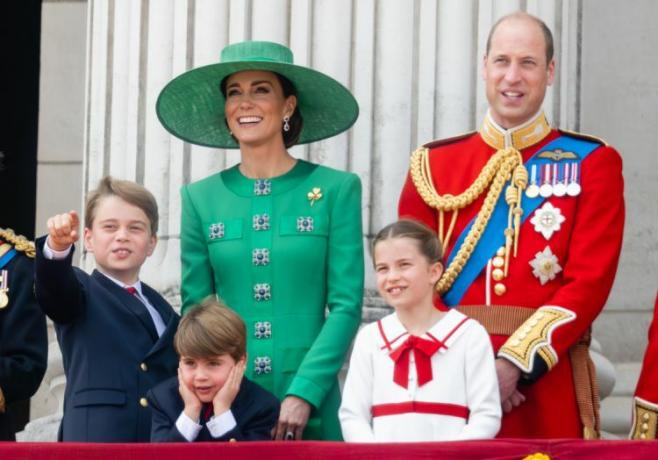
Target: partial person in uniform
x: 23, y: 336
x: 277, y: 238
x: 645, y: 401
x: 531, y: 220
x: 115, y: 332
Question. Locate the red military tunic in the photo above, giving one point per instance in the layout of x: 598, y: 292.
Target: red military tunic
x: 645, y: 411
x: 586, y: 247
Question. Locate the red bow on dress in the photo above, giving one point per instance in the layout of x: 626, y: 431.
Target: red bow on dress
x: 424, y: 349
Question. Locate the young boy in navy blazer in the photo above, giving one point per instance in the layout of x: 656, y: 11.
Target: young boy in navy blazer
x: 210, y: 400
x: 115, y: 332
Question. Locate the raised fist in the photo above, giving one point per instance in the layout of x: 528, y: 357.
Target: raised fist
x: 63, y: 230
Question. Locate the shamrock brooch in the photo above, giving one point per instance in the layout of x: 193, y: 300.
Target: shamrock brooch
x: 314, y: 195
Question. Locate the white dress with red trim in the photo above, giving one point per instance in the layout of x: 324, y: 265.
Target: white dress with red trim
x: 440, y: 386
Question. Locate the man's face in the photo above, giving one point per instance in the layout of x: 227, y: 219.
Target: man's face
x: 516, y: 72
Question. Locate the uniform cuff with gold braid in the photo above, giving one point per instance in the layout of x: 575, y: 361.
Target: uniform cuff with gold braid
x: 2, y: 402
x: 645, y: 419
x: 529, y: 347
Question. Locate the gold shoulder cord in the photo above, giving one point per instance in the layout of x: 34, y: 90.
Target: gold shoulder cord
x: 21, y: 243
x: 503, y: 165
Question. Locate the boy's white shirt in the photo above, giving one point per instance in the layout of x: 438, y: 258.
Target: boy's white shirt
x: 464, y: 375
x: 218, y: 425
x: 160, y: 326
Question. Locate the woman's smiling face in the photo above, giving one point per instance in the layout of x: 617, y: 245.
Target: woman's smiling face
x: 255, y: 107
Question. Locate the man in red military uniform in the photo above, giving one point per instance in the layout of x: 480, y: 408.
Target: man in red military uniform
x: 645, y: 407
x: 531, y: 220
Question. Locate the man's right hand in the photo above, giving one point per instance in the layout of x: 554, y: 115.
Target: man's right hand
x: 63, y: 231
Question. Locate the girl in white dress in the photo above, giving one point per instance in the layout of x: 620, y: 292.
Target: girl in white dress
x: 422, y: 373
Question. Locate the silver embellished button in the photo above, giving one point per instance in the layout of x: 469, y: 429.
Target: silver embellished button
x: 260, y: 256
x: 216, y: 231
x: 263, y: 329
x: 304, y: 224
x: 262, y: 292
x: 261, y: 222
x: 262, y: 187
x: 262, y: 365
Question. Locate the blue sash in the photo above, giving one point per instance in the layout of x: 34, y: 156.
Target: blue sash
x: 493, y: 238
x: 4, y: 260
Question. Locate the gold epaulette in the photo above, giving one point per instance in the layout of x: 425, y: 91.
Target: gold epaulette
x: 586, y: 137
x: 19, y: 242
x: 645, y: 419
x: 448, y: 140
x: 533, y: 338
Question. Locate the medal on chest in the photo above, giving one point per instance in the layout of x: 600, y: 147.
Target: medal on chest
x: 573, y: 189
x: 560, y: 179
x: 533, y: 189
x: 4, y: 288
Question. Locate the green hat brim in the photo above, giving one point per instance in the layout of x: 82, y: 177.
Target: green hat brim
x: 191, y: 106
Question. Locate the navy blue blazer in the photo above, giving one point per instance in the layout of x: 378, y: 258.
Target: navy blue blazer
x: 23, y: 339
x: 110, y: 349
x: 255, y: 410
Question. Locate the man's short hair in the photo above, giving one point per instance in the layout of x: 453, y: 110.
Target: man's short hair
x: 548, y: 35
x: 128, y: 191
x: 211, y: 329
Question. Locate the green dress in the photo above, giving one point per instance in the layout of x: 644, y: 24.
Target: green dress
x: 280, y: 252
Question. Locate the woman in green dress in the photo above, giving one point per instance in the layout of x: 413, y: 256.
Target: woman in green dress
x: 279, y: 239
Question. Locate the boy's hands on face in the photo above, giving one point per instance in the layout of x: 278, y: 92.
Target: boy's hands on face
x: 192, y: 403
x: 63, y: 230
x: 227, y: 393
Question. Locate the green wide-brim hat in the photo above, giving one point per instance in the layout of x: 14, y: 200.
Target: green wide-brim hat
x: 191, y: 106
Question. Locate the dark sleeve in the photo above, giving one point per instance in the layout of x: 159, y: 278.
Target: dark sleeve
x: 23, y: 337
x: 163, y: 427
x: 256, y: 423
x: 57, y: 289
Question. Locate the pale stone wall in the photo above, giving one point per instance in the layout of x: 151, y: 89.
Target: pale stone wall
x: 619, y: 99
x: 60, y: 153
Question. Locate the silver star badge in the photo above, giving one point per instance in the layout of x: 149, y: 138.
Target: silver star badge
x: 545, y: 265
x: 547, y: 220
